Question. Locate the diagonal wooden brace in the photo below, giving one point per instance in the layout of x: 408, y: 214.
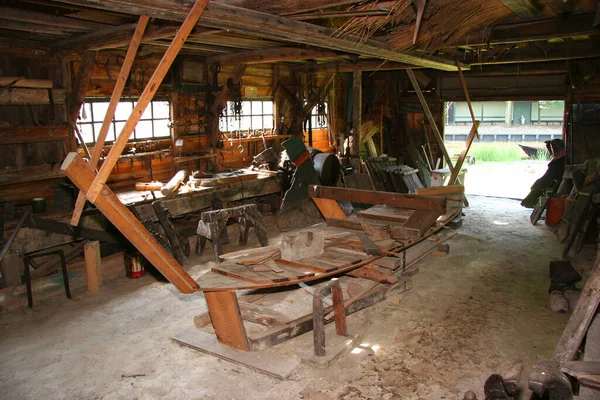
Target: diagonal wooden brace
x: 112, y: 106
x: 82, y: 175
x: 145, y: 98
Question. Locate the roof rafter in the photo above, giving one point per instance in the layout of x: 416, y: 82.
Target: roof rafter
x: 267, y: 26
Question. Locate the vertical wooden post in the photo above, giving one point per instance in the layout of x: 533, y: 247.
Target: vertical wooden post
x: 79, y: 88
x: 356, y: 111
x: 93, y: 266
x: 430, y: 118
x: 112, y: 106
x: 147, y: 95
x: 224, y: 312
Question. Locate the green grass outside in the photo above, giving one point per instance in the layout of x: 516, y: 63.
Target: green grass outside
x: 486, y: 152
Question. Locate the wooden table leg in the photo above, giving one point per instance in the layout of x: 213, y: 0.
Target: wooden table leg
x: 224, y: 312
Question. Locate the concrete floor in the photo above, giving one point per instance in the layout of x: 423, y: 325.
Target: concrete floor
x: 467, y: 312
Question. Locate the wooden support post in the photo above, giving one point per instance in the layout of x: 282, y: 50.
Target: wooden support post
x: 93, y: 266
x: 147, y: 95
x: 430, y: 118
x: 77, y: 96
x: 356, y: 111
x: 112, y: 106
x: 82, y: 175
x: 472, y: 135
x: 224, y: 312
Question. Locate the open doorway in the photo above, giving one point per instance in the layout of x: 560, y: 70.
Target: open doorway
x: 510, y: 154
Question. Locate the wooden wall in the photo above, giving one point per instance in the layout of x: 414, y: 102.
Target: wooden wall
x: 34, y: 138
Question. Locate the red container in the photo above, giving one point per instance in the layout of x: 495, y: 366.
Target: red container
x: 555, y: 208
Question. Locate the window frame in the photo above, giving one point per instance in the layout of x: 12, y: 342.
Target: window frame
x: 224, y: 120
x: 93, y: 122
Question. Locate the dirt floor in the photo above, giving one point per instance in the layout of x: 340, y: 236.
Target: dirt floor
x: 485, y: 302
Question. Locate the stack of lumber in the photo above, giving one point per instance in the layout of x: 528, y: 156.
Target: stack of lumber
x: 388, y: 176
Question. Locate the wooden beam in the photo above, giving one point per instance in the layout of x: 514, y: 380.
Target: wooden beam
x: 112, y: 106
x: 117, y: 36
x: 48, y: 19
x: 468, y: 98
x: 430, y: 118
x: 463, y: 154
x: 349, y: 66
x: 373, y: 197
x: 270, y: 27
x: 274, y: 54
x: 521, y: 56
x: 93, y: 266
x: 145, y: 98
x: 523, y: 8
x: 80, y: 86
x: 34, y: 134
x: 537, y: 29
x: 279, y: 7
x: 82, y: 175
x: 25, y: 96
x: 225, y: 316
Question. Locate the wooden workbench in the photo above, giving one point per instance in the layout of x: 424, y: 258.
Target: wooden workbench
x: 203, y: 197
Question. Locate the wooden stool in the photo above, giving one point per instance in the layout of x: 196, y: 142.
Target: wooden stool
x: 213, y: 225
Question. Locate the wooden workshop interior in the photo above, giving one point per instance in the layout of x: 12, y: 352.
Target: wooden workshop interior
x: 145, y: 136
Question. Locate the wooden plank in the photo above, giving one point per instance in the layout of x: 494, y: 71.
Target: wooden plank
x: 225, y: 315
x: 262, y: 315
x: 474, y: 133
x: 463, y: 154
x: 430, y: 118
x: 385, y: 213
x: 145, y: 98
x: 383, y: 198
x: 30, y: 97
x: 441, y: 190
x: 272, y: 364
x: 329, y: 208
x: 246, y: 273
x: 112, y: 106
x: 21, y: 82
x: 34, y: 134
x: 579, y: 368
x: 416, y: 226
x: 582, y: 316
x: 9, y: 176
x: 93, y: 266
x: 373, y: 274
x: 82, y: 175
